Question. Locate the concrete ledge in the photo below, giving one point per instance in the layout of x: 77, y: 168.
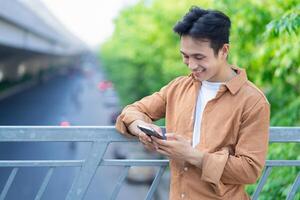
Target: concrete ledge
x: 17, y: 89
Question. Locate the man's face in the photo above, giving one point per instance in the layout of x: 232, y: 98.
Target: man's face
x: 200, y: 58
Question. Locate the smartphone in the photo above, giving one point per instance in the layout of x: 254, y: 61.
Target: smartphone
x: 151, y: 132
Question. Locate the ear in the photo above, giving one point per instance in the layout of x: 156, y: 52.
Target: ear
x: 224, y: 51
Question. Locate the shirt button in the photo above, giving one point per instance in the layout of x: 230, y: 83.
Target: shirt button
x: 185, y: 169
x: 182, y: 195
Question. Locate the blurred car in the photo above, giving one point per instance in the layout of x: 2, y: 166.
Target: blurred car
x: 104, y: 85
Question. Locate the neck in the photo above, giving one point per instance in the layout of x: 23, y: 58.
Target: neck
x: 225, y: 74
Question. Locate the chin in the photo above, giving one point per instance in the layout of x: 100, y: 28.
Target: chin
x: 204, y: 77
x: 200, y: 79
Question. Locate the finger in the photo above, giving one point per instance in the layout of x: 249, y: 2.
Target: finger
x: 162, y: 142
x: 167, y: 149
x: 146, y: 142
x: 150, y: 147
x: 172, y: 136
x: 142, y: 140
x: 163, y: 152
x: 145, y: 137
x: 158, y: 141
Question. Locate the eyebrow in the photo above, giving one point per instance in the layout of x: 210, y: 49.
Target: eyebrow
x: 194, y: 55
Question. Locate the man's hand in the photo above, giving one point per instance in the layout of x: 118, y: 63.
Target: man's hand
x: 145, y: 139
x: 179, y: 148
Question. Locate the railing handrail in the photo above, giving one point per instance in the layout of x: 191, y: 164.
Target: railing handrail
x: 105, y: 134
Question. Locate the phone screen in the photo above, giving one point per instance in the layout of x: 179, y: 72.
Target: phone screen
x: 150, y: 131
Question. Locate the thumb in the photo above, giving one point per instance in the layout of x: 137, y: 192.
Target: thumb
x: 173, y: 136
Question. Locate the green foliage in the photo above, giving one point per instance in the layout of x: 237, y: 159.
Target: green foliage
x: 143, y: 55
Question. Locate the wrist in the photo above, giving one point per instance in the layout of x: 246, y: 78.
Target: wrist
x: 195, y: 157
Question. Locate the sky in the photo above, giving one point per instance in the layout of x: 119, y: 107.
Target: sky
x: 90, y: 20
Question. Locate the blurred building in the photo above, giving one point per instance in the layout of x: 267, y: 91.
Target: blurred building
x: 33, y: 41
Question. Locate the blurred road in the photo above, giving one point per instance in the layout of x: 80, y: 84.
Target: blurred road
x: 70, y: 98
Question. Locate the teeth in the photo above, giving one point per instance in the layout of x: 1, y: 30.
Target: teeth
x: 197, y: 73
x: 201, y: 70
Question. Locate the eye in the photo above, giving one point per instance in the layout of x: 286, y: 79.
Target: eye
x: 198, y: 58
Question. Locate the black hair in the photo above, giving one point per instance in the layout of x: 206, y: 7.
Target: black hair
x: 205, y: 24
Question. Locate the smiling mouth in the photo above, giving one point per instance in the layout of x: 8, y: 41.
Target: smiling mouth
x: 198, y: 72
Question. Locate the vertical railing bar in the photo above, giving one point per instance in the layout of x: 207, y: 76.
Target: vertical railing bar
x: 261, y: 182
x: 87, y: 171
x: 44, y: 184
x: 155, y: 182
x: 294, y: 188
x: 8, y: 183
x: 119, y: 183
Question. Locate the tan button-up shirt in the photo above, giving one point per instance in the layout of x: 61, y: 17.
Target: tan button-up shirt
x: 234, y: 135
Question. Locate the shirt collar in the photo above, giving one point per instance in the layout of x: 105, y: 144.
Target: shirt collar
x: 235, y: 83
x: 238, y: 81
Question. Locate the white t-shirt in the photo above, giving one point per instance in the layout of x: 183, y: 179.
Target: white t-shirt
x: 207, y: 92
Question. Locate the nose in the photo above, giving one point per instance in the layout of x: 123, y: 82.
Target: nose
x: 192, y: 65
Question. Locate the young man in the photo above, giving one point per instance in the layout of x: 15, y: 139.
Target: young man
x: 217, y: 121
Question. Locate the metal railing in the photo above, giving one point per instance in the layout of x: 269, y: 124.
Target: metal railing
x: 100, y: 138
x: 281, y: 135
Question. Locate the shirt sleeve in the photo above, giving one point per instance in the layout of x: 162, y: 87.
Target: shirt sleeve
x: 148, y: 109
x: 248, y: 160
